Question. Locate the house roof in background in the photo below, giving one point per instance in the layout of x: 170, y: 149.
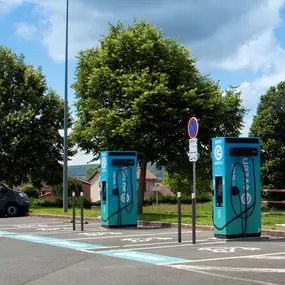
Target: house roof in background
x: 97, y: 170
x: 159, y: 173
x: 148, y: 176
x: 80, y: 171
x: 84, y: 181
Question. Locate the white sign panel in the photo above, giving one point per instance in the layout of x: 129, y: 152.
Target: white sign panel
x: 193, y: 149
x: 158, y: 188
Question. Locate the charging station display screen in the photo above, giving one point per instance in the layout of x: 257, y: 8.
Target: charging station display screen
x: 104, y: 194
x: 219, y: 191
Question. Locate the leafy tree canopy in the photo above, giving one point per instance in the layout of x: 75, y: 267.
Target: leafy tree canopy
x: 31, y: 116
x: 137, y: 91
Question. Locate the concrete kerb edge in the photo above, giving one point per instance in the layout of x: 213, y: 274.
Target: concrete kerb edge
x: 159, y: 224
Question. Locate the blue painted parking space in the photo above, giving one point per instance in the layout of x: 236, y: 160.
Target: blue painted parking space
x: 143, y: 257
x: 52, y: 241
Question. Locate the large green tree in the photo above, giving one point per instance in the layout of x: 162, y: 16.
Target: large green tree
x: 137, y: 90
x: 31, y: 117
x: 268, y: 125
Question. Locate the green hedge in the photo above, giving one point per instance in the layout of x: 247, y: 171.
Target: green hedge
x: 58, y: 203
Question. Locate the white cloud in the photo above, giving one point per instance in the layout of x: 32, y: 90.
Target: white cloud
x: 81, y: 158
x: 25, y: 30
x: 251, y: 91
x: 7, y: 6
x: 246, y: 43
x: 234, y: 36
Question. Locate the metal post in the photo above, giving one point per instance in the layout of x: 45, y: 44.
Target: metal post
x: 156, y: 201
x: 194, y: 205
x: 81, y: 208
x: 73, y: 209
x: 65, y: 167
x: 179, y: 216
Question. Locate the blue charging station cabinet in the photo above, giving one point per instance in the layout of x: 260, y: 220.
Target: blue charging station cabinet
x: 118, y: 188
x: 236, y: 187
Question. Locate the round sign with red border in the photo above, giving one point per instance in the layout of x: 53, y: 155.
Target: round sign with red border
x: 193, y: 127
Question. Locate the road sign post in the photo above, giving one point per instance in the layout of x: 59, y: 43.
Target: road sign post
x: 193, y: 128
x: 73, y: 210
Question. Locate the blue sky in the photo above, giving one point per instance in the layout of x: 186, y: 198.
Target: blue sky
x: 239, y: 43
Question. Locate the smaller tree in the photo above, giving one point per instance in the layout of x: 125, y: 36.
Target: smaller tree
x: 268, y: 125
x: 74, y: 185
x: 182, y: 181
x: 31, y: 118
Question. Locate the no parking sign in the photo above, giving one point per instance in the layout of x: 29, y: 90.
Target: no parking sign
x: 193, y: 128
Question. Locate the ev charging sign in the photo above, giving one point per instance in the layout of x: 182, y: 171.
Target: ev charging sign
x: 104, y: 163
x: 246, y: 199
x: 218, y: 152
x: 124, y: 197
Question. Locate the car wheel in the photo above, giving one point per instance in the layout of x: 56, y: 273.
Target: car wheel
x: 11, y: 210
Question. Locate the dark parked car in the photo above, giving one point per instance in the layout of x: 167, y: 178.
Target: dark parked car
x: 13, y: 202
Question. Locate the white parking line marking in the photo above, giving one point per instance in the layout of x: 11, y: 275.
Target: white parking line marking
x: 127, y: 236
x: 166, y: 242
x: 174, y: 245
x: 230, y: 269
x: 225, y: 276
x: 238, y: 257
x: 268, y: 257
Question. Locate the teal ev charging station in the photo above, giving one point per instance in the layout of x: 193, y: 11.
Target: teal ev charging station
x: 118, y: 188
x: 236, y: 187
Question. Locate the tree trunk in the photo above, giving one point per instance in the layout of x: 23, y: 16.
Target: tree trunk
x: 10, y: 181
x: 141, y: 189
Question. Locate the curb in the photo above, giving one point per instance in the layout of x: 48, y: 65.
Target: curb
x: 174, y: 225
x: 68, y: 219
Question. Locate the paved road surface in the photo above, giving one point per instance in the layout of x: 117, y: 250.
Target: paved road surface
x: 41, y: 251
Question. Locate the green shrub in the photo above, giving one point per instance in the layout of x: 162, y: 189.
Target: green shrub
x: 203, y: 198
x: 97, y: 203
x: 31, y: 191
x: 44, y: 203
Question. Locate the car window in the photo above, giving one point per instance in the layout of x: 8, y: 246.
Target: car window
x: 2, y: 189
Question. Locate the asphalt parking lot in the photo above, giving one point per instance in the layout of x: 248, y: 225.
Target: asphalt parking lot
x: 47, y: 251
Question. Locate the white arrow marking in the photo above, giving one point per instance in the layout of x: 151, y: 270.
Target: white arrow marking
x: 145, y: 239
x: 99, y: 234
x: 228, y: 249
x: 48, y: 229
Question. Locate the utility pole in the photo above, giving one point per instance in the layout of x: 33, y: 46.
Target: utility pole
x: 65, y: 166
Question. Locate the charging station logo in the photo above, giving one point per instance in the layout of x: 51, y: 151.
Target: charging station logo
x: 218, y: 152
x: 125, y: 198
x: 246, y: 199
x: 104, y: 162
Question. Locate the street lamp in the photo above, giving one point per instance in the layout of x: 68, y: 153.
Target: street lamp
x: 65, y: 166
